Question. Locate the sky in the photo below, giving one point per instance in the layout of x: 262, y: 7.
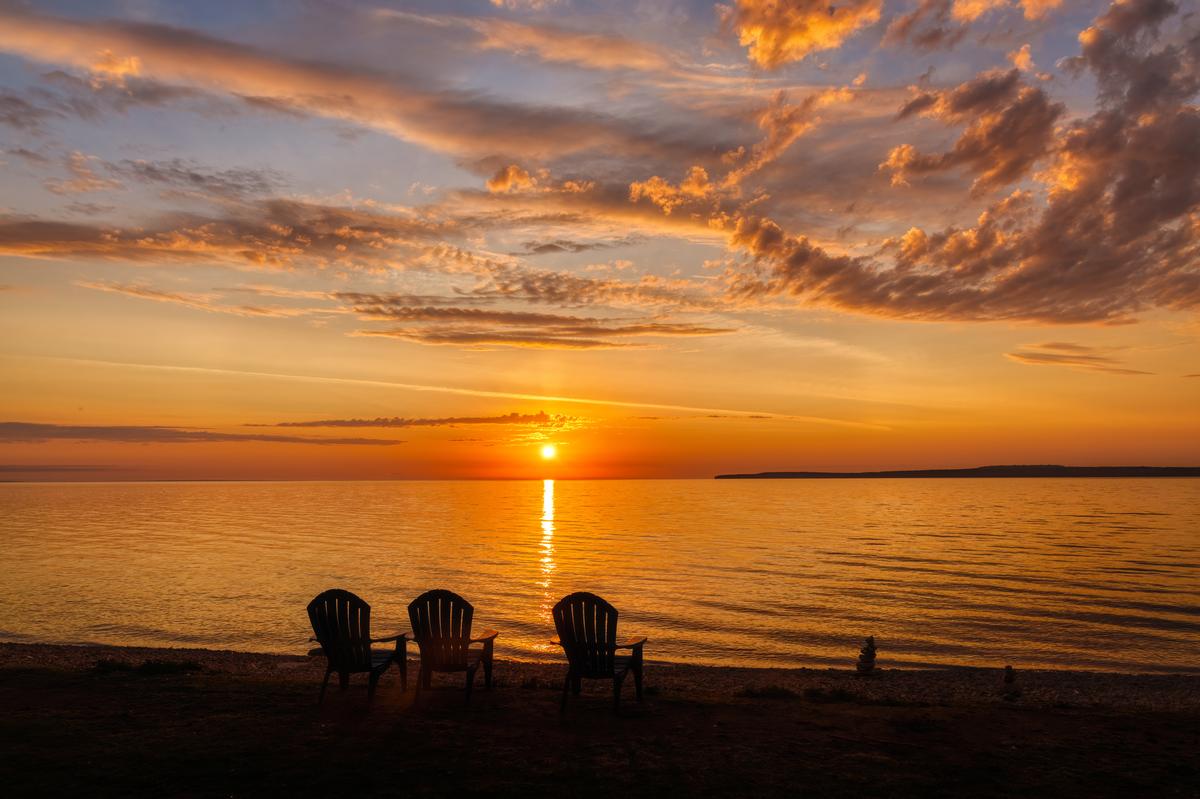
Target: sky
x: 380, y: 240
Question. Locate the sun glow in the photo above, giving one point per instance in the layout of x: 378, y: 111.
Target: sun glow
x: 549, y: 452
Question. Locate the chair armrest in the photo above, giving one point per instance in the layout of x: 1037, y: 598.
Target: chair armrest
x: 396, y: 637
x: 312, y: 653
x: 632, y: 643
x: 487, y: 635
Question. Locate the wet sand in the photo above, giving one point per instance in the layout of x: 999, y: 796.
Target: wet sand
x: 97, y: 720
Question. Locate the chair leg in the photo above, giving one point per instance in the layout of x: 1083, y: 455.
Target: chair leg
x: 470, y: 681
x: 375, y: 675
x: 487, y: 672
x: 324, y: 685
x: 344, y: 680
x: 577, y: 686
x: 566, y: 688
x: 617, y: 682
x: 637, y: 680
x: 403, y: 673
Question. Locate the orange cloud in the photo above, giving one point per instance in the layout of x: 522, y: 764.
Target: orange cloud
x: 776, y: 33
x: 511, y: 178
x: 667, y: 196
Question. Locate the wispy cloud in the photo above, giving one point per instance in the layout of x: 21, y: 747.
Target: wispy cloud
x: 52, y: 468
x: 455, y: 122
x: 471, y: 392
x: 540, y: 419
x: 30, y: 432
x: 209, y: 302
x: 488, y: 327
x: 1077, y: 356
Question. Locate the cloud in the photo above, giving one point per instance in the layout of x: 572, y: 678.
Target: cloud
x: 694, y: 186
x: 927, y: 27
x: 776, y: 32
x: 1009, y: 128
x: 942, y: 24
x: 563, y: 288
x: 30, y: 432
x: 556, y: 246
x: 208, y: 302
x: 483, y: 339
x: 269, y: 233
x: 1022, y: 59
x: 1076, y: 356
x: 51, y: 468
x: 540, y: 419
x: 32, y: 156
x: 475, y: 327
x: 783, y: 122
x: 19, y: 113
x: 84, y: 178
x: 563, y: 46
x: 190, y: 177
x: 511, y: 178
x: 525, y: 5
x: 89, y: 209
x: 457, y: 122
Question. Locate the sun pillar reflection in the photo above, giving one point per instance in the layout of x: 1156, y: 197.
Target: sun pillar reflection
x: 547, y: 562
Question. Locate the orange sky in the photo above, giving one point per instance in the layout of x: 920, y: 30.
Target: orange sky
x: 675, y: 241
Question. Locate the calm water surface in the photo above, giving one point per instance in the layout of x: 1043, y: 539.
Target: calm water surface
x: 1095, y: 574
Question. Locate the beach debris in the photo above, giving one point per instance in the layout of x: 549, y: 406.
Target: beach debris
x: 866, y: 656
x: 1010, y: 676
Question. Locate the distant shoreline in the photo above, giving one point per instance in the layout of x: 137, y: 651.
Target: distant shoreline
x: 984, y: 471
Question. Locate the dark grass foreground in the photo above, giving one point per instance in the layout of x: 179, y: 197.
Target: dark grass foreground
x: 109, y: 721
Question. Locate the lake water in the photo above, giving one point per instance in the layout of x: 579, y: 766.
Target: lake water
x: 1097, y: 574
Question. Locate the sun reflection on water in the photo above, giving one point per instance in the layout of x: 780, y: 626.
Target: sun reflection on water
x: 547, y: 561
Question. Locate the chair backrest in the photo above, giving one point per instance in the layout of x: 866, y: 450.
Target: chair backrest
x: 342, y: 624
x: 441, y: 623
x: 587, y: 628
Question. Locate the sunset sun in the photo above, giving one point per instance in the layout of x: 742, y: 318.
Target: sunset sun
x: 549, y: 452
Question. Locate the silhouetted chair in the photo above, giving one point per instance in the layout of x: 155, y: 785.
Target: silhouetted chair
x: 441, y: 622
x: 587, y: 632
x: 342, y: 625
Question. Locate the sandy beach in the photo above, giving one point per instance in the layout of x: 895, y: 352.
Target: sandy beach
x: 129, y: 721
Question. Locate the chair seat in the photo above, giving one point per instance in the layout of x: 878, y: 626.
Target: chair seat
x: 621, y: 665
x: 474, y: 655
x: 381, y: 657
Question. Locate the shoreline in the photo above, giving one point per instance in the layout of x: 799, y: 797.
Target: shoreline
x: 136, y: 721
x: 950, y: 684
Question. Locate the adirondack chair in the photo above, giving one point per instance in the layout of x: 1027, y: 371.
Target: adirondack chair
x: 441, y: 622
x: 341, y: 623
x: 587, y: 632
